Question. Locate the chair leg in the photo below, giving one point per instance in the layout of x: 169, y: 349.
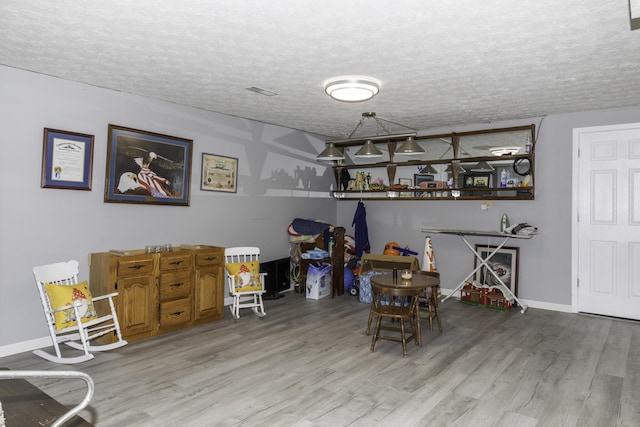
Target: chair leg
x: 370, y: 319
x: 430, y: 311
x: 259, y: 308
x: 436, y: 308
x: 376, y: 333
x: 404, y: 338
x: 416, y: 328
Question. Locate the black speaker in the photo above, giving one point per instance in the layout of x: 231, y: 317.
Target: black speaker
x: 277, y: 280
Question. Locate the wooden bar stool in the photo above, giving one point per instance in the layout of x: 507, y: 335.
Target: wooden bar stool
x: 396, y: 304
x: 428, y: 307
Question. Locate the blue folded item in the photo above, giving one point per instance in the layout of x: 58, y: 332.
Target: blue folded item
x: 365, y: 285
x: 317, y: 254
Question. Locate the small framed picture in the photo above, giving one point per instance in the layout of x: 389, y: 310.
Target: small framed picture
x: 67, y: 160
x: 219, y: 173
x: 504, y: 264
x: 422, y: 181
x: 408, y: 183
x: 477, y: 181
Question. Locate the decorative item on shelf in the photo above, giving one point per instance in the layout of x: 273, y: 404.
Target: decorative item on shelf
x: 528, y: 145
x: 377, y: 185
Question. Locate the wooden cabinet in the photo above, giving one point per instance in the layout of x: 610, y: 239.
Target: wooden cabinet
x: 161, y: 292
x: 209, y: 285
x: 487, y: 164
x: 175, y: 270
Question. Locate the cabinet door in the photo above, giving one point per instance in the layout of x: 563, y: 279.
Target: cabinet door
x: 137, y: 312
x: 209, y: 293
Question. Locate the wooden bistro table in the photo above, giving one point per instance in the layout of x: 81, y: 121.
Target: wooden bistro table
x: 417, y: 281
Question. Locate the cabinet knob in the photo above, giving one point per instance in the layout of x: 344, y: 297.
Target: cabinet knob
x: 136, y: 267
x: 177, y: 313
x: 176, y: 262
x: 177, y: 285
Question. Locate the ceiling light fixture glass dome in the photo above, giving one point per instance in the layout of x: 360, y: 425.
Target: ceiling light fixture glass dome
x: 352, y: 88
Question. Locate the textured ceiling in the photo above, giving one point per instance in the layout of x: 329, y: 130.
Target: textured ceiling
x: 440, y: 63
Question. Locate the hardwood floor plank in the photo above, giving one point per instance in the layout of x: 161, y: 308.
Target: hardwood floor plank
x: 308, y: 363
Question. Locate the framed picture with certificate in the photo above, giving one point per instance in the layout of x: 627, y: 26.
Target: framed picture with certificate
x: 67, y: 160
x: 219, y: 173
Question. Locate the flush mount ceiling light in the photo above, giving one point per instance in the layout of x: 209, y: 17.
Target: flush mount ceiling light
x: 504, y: 151
x: 330, y: 153
x: 352, y: 88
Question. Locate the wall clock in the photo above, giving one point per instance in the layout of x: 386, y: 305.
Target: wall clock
x: 522, y: 166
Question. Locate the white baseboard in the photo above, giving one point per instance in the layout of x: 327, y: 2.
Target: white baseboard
x: 25, y: 346
x: 563, y: 308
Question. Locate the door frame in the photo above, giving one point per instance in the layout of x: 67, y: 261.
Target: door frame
x: 575, y: 185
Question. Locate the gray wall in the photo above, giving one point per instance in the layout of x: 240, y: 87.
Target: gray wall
x: 545, y: 261
x: 40, y: 226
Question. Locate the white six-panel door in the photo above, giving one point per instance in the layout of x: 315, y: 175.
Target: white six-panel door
x: 607, y: 221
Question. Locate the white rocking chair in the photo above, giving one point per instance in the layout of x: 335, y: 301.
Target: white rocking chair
x: 251, y: 298
x: 78, y: 335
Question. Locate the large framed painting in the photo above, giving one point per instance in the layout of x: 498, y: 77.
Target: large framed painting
x: 504, y: 263
x: 146, y: 167
x: 67, y: 160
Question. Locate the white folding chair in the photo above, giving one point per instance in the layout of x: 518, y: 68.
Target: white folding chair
x: 76, y: 334
x: 246, y: 286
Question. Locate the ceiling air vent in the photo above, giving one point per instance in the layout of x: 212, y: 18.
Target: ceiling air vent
x: 261, y: 91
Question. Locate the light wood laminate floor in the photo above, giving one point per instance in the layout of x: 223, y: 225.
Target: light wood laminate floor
x: 307, y: 363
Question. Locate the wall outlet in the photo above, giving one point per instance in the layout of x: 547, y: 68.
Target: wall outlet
x: 485, y: 205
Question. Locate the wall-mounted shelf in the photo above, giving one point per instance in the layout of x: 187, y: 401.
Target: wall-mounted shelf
x: 450, y: 167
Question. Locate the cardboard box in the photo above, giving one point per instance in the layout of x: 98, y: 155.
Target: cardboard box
x: 376, y: 262
x: 318, y: 281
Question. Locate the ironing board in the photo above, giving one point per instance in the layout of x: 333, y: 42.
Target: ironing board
x: 483, y: 262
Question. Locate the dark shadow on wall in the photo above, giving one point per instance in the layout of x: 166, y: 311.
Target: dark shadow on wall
x: 295, y: 170
x: 304, y: 178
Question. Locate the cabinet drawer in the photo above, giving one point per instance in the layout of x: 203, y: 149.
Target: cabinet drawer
x: 213, y: 257
x: 173, y: 261
x: 175, y: 312
x: 131, y: 267
x: 176, y: 284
